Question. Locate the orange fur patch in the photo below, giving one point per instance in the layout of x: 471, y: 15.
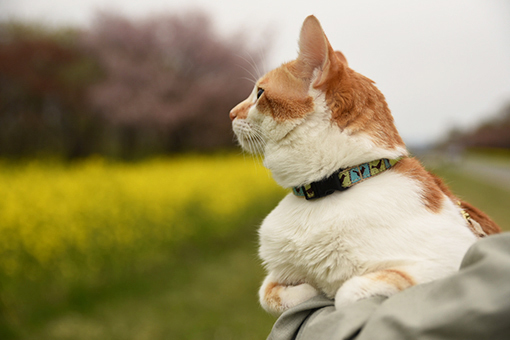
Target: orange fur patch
x: 397, y: 278
x: 434, y: 188
x: 432, y: 193
x: 272, y: 295
x: 358, y: 105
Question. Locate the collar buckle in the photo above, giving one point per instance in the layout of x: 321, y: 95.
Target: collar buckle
x: 322, y: 188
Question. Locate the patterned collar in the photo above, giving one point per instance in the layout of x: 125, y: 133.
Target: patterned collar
x: 344, y: 178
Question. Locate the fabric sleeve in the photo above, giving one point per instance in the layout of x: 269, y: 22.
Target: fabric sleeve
x: 474, y: 303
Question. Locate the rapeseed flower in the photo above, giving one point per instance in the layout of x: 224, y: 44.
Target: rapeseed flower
x: 74, y: 220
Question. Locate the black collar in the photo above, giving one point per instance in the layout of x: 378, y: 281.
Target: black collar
x: 344, y: 178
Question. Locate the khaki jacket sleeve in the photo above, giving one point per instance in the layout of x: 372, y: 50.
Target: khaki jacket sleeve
x: 472, y: 304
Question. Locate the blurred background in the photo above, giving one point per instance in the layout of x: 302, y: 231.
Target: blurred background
x: 126, y: 209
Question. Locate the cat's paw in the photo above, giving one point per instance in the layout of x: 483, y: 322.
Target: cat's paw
x: 384, y: 283
x: 276, y: 298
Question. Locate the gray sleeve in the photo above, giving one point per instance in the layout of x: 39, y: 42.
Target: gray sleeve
x: 472, y: 304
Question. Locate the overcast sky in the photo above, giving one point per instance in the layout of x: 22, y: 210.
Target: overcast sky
x: 440, y: 63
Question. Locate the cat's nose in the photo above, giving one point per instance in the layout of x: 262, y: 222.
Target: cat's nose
x: 233, y: 114
x: 240, y: 111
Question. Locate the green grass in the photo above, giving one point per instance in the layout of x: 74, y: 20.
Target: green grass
x: 493, y: 200
x: 210, y: 294
x: 498, y: 157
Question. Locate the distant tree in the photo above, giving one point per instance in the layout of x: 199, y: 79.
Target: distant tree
x: 169, y: 79
x: 494, y: 132
x: 43, y: 78
x: 122, y: 87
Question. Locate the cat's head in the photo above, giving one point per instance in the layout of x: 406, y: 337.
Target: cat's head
x: 314, y: 115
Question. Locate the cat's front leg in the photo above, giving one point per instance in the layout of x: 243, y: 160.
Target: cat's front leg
x: 276, y: 297
x: 384, y: 282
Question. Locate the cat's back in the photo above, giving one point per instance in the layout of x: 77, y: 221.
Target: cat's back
x: 435, y: 193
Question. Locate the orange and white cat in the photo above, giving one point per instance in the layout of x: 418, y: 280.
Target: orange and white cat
x: 311, y: 117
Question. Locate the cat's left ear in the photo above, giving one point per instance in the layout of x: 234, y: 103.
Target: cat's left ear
x: 341, y: 58
x: 316, y: 53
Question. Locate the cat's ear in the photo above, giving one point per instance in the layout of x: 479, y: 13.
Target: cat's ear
x: 341, y: 58
x: 315, y: 52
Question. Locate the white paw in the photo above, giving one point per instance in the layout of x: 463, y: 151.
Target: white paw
x: 362, y: 287
x: 294, y: 295
x: 277, y: 298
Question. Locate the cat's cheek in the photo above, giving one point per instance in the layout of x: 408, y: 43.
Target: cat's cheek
x: 279, y: 133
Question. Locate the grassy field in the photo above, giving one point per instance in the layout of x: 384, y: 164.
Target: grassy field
x: 487, y: 195
x: 493, y: 200
x: 160, y: 249
x: 86, y: 246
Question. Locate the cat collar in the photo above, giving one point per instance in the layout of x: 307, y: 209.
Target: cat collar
x: 344, y: 178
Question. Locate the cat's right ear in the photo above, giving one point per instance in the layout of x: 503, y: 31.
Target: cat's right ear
x: 315, y: 52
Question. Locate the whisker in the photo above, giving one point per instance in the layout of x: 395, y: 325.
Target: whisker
x: 261, y: 144
x: 255, y: 66
x: 250, y: 73
x: 259, y: 148
x: 254, y: 77
x: 257, y: 145
x: 249, y: 79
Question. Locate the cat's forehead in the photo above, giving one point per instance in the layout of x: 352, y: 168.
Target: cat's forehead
x: 282, y: 76
x: 268, y: 78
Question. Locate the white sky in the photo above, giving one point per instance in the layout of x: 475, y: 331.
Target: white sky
x: 440, y: 63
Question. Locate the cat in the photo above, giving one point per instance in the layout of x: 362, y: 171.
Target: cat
x: 364, y: 218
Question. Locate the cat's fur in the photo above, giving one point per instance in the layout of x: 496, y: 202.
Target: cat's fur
x: 309, y: 118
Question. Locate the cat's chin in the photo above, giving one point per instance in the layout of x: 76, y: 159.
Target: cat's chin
x: 251, y: 145
x: 248, y: 137
x: 252, y: 151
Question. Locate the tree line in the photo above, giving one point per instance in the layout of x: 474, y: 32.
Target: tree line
x: 122, y: 88
x: 492, y: 133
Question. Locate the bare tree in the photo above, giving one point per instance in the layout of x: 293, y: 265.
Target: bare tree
x: 171, y: 76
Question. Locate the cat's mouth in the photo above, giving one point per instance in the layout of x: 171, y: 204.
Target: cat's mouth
x: 249, y: 137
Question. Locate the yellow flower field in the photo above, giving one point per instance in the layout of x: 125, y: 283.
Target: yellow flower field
x: 62, y: 223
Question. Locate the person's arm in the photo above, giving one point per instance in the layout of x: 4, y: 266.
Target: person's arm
x: 471, y: 304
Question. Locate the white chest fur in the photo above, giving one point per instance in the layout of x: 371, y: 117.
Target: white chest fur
x: 377, y: 224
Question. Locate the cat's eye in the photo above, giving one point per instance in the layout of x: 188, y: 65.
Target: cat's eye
x: 259, y: 92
